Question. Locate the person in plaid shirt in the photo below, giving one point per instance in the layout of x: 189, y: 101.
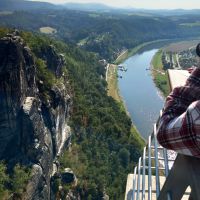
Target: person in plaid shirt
x: 179, y: 126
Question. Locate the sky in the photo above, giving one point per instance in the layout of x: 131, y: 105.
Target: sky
x: 147, y: 4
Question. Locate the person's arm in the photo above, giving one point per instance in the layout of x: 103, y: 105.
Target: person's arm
x: 179, y: 127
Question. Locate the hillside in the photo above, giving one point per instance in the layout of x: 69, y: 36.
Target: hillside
x: 64, y: 88
x: 11, y: 5
x: 67, y: 136
x: 106, y: 34
x: 87, y: 7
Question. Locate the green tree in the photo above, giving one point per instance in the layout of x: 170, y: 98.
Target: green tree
x: 19, y: 179
x: 124, y: 156
x: 4, y: 178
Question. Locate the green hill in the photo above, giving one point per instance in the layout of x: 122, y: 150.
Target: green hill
x: 106, y: 34
x: 104, y: 148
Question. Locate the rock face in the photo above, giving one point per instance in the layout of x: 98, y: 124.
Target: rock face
x: 30, y: 129
x: 17, y: 81
x: 54, y: 61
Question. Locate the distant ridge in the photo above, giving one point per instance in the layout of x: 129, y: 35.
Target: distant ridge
x: 87, y: 6
x: 102, y: 7
x: 11, y: 5
x: 169, y: 12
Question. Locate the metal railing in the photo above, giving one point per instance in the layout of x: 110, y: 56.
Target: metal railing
x: 185, y: 172
x: 169, y: 177
x: 150, y: 164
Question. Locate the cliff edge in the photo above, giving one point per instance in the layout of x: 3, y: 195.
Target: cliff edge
x: 33, y: 130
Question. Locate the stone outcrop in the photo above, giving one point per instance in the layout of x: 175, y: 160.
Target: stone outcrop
x: 17, y: 81
x: 31, y: 130
x: 54, y: 61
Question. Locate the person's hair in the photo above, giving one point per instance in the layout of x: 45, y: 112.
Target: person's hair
x: 198, y: 50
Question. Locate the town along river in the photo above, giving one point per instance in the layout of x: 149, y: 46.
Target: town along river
x: 142, y: 99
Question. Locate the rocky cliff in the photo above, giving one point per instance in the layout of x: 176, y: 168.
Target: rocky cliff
x: 32, y: 131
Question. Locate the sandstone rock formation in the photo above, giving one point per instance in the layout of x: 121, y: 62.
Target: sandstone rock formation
x: 31, y: 130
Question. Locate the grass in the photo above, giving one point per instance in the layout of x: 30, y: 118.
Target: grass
x: 6, y: 13
x: 113, y: 90
x: 191, y: 24
x: 121, y: 57
x: 139, y: 14
x: 48, y: 30
x: 180, y: 46
x: 157, y: 62
x: 161, y: 80
x: 94, y: 15
x: 140, y: 141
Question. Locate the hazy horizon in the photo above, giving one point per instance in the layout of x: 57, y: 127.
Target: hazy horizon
x: 144, y: 4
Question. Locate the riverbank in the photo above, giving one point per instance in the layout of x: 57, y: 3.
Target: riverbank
x: 111, y: 78
x: 173, y: 50
x: 159, y: 75
x: 142, y: 114
x: 138, y: 87
x: 112, y: 74
x: 113, y: 91
x: 139, y: 92
x: 128, y: 53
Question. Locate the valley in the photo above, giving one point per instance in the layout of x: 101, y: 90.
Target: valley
x: 65, y: 132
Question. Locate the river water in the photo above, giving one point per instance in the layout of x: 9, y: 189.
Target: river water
x: 139, y: 92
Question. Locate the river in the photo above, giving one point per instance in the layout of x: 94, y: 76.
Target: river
x: 141, y: 97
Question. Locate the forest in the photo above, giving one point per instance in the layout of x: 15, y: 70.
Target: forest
x: 105, y: 33
x: 104, y: 148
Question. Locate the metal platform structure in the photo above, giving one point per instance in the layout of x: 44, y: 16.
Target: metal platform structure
x: 162, y: 174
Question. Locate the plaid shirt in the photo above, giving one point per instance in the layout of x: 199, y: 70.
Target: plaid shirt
x: 179, y: 126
